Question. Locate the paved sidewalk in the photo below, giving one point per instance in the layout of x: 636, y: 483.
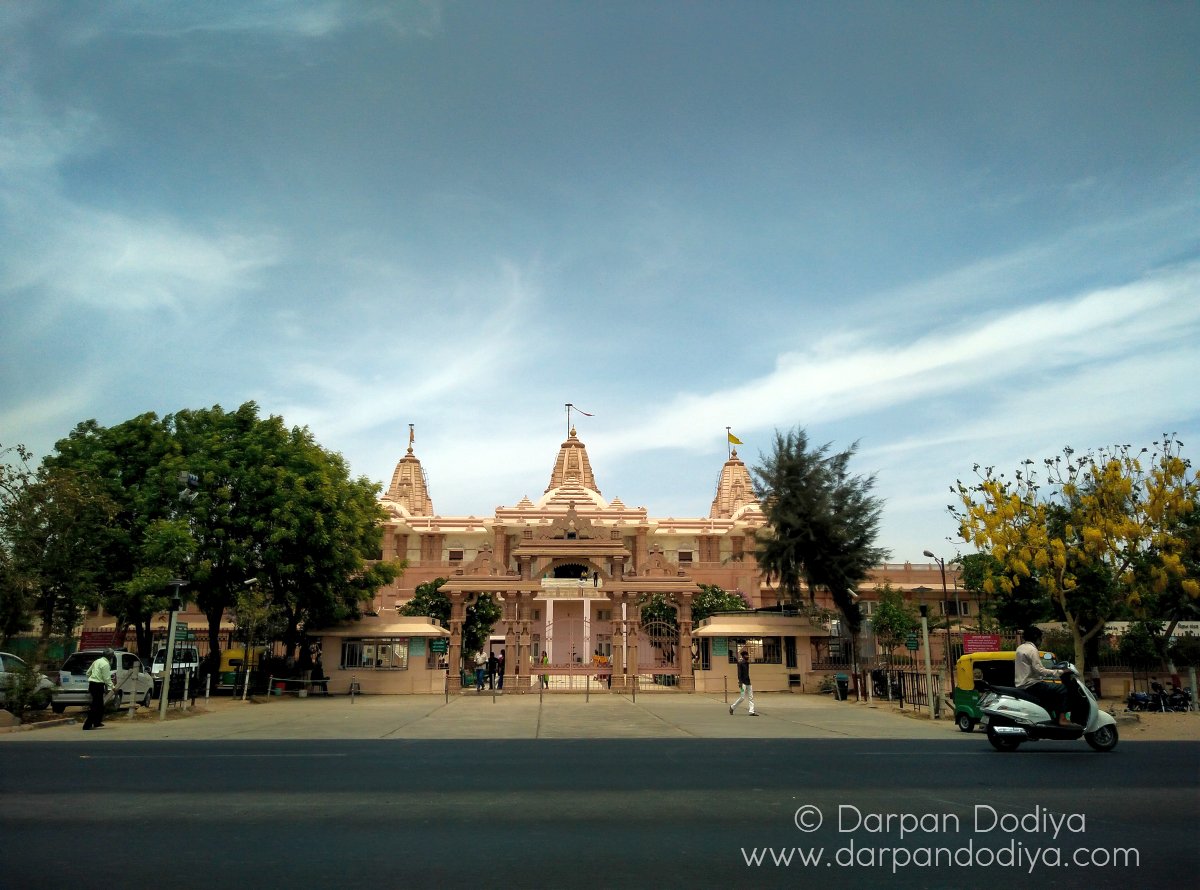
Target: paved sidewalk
x: 473, y: 716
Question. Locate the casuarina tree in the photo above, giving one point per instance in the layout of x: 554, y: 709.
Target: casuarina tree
x: 822, y: 522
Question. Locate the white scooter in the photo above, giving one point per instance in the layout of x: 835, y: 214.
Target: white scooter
x: 1012, y: 716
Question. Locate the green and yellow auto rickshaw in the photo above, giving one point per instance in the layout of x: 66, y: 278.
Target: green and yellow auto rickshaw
x: 994, y: 668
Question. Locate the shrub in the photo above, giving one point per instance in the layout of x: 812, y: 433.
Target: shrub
x: 21, y: 691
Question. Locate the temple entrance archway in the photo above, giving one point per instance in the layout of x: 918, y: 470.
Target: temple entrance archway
x: 658, y: 653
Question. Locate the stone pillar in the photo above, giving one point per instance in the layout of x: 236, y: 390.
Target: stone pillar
x: 587, y: 630
x: 546, y: 637
x: 510, y: 637
x: 454, y: 655
x: 687, y: 677
x: 618, y: 642
x: 633, y: 624
x: 520, y: 672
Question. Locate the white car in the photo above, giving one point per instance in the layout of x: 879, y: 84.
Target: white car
x: 10, y: 666
x: 184, y: 658
x: 132, y: 679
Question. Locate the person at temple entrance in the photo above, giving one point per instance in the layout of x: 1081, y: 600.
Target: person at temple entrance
x: 480, y: 670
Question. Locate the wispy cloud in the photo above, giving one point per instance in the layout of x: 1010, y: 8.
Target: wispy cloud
x: 306, y: 19
x: 118, y: 262
x: 421, y: 369
x: 853, y: 373
x: 57, y: 250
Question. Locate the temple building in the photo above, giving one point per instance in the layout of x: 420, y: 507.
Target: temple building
x: 571, y: 570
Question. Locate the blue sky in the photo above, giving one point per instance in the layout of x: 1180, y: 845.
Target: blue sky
x: 956, y: 233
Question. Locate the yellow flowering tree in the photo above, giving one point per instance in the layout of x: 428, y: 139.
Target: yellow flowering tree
x: 1084, y: 528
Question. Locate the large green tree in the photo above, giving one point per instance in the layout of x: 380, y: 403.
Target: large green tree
x: 52, y: 525
x: 822, y: 522
x: 274, y: 505
x: 136, y: 464
x: 16, y: 594
x: 270, y: 503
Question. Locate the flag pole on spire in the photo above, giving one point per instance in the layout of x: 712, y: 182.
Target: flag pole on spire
x: 570, y: 407
x: 730, y: 440
x: 412, y: 436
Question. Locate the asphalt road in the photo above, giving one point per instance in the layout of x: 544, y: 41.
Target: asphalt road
x: 595, y: 813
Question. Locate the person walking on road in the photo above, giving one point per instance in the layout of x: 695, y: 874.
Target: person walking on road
x: 743, y: 666
x: 500, y: 670
x: 100, y: 682
x: 492, y: 663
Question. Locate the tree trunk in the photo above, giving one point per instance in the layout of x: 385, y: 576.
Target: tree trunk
x: 145, y: 637
x: 214, y: 642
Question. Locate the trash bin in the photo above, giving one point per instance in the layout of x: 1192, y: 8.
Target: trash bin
x: 842, y: 689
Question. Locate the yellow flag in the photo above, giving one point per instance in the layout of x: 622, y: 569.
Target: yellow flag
x: 733, y: 440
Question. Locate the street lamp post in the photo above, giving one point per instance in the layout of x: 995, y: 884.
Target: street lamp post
x: 958, y: 617
x: 246, y: 660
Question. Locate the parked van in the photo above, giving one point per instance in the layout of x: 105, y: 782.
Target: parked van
x: 185, y: 658
x: 993, y: 668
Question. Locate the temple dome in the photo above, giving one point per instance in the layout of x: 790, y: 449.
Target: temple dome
x: 572, y: 466
x: 735, y: 489
x: 409, y: 488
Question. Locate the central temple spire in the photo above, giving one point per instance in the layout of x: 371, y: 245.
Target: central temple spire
x: 735, y: 488
x: 572, y: 466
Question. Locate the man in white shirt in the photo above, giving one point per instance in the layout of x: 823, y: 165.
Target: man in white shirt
x: 480, y: 670
x: 100, y: 681
x: 1031, y: 676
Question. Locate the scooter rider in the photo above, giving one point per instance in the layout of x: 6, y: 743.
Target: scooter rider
x: 1031, y: 674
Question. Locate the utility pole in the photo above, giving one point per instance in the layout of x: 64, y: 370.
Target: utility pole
x: 928, y: 666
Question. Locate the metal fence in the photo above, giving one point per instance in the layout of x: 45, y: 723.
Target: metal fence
x: 905, y: 687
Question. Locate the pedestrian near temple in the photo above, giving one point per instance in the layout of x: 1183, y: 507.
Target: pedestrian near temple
x: 743, y: 666
x: 480, y: 670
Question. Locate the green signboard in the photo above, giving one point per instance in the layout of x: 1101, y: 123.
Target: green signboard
x: 720, y: 646
x: 439, y: 645
x: 911, y: 642
x: 416, y: 647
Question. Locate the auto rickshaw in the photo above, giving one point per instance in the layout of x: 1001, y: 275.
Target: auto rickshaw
x: 996, y: 668
x: 233, y: 665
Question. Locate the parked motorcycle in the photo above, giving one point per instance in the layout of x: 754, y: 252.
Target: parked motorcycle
x: 1179, y: 700
x: 1140, y: 701
x: 1012, y: 716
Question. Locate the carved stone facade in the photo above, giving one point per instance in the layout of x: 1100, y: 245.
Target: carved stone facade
x: 570, y: 569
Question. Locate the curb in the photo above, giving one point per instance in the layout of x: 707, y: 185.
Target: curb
x: 45, y: 724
